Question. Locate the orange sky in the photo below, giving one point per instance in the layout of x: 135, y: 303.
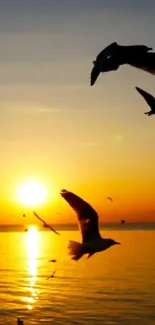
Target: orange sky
x: 55, y: 128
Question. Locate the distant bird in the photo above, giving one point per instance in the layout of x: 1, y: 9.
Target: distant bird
x: 46, y: 225
x: 92, y: 242
x: 24, y: 215
x: 20, y: 322
x: 123, y: 221
x: 109, y: 198
x: 51, y: 276
x: 53, y: 261
x: 115, y: 55
x: 149, y: 99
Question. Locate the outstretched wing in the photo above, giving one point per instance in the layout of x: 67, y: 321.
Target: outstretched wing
x: 102, y: 56
x: 109, y: 50
x: 149, y: 98
x: 87, y: 216
x: 94, y: 74
x: 44, y: 223
x: 109, y: 198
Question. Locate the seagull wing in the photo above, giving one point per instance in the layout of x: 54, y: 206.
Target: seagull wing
x: 109, y: 198
x: 87, y: 216
x: 149, y: 98
x: 101, y: 57
x: 94, y: 74
x: 109, y: 50
x: 45, y: 224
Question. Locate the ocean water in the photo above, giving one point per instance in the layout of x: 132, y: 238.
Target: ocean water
x: 112, y: 287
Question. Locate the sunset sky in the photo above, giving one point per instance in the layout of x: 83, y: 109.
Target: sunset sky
x: 55, y: 128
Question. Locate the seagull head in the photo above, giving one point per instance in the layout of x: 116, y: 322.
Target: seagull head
x: 115, y: 242
x: 112, y: 242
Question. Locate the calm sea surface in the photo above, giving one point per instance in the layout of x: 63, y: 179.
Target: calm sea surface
x: 113, y: 287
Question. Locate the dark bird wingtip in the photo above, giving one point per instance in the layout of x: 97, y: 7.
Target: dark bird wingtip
x: 92, y: 82
x: 138, y: 89
x: 63, y: 191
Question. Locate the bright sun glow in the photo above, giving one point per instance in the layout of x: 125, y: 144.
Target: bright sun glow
x: 32, y: 193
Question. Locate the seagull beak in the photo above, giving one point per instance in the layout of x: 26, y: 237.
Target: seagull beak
x: 117, y: 243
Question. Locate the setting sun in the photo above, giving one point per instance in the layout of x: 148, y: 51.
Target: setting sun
x: 32, y: 193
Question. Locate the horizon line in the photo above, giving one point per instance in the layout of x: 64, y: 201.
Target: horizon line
x: 74, y: 224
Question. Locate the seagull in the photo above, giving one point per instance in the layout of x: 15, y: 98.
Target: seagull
x: 149, y: 99
x: 51, y: 276
x: 113, y: 56
x: 143, y: 61
x: 109, y: 198
x: 53, y: 261
x: 46, y: 225
x: 92, y: 242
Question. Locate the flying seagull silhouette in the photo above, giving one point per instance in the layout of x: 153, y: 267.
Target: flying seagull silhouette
x: 92, y: 242
x: 46, y: 225
x: 149, y: 99
x: 109, y: 198
x: 115, y: 55
x: 53, y: 261
x: 52, y: 275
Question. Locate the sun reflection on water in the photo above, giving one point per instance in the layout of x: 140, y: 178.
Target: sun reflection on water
x: 32, y: 245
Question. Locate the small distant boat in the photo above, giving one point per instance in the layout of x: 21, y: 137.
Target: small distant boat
x: 20, y: 322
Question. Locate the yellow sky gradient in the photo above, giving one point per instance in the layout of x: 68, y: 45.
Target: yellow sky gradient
x: 55, y: 128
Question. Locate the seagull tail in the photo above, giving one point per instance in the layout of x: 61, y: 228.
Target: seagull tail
x: 76, y: 250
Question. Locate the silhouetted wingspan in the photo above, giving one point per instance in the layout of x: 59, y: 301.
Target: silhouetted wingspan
x: 87, y: 216
x: 45, y: 224
x: 101, y: 57
x: 149, y: 98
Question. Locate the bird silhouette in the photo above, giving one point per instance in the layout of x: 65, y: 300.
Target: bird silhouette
x: 52, y: 275
x: 115, y: 55
x: 149, y: 99
x: 46, y: 225
x: 53, y: 261
x: 92, y: 242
